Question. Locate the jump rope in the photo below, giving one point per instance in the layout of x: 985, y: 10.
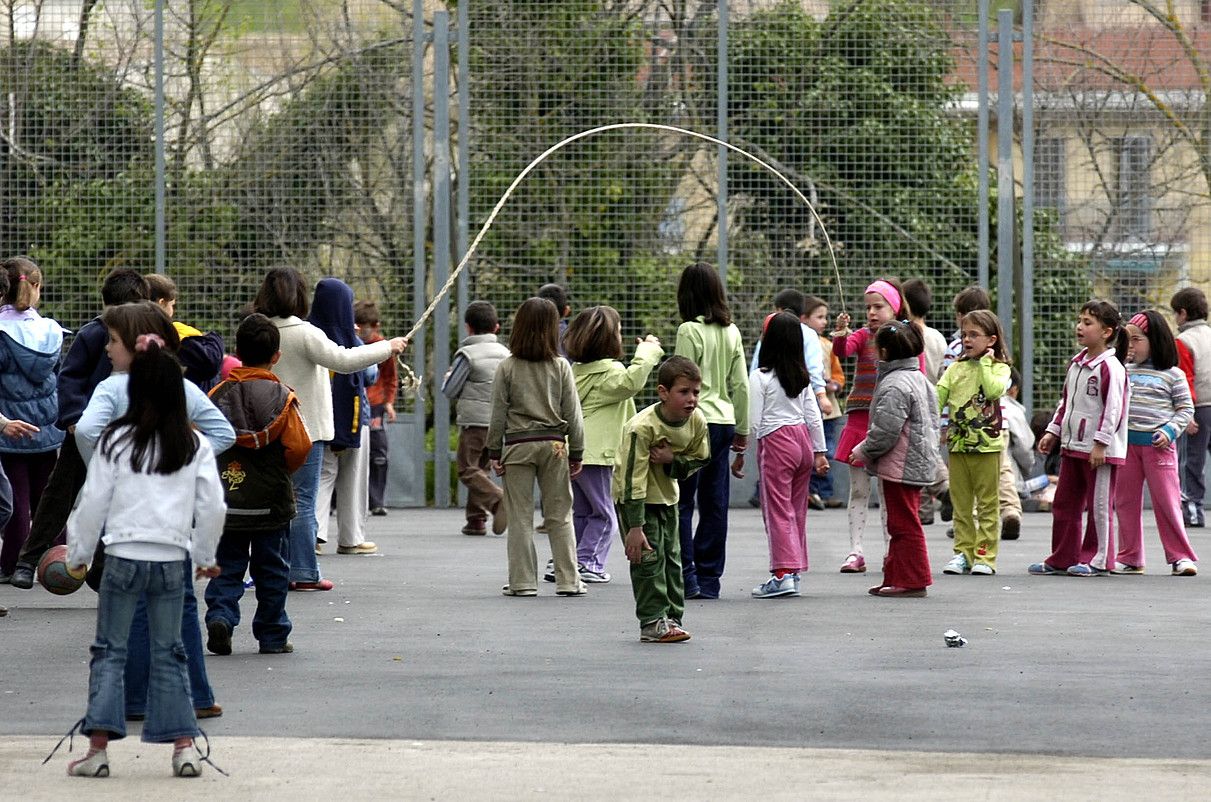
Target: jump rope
x: 410, y: 383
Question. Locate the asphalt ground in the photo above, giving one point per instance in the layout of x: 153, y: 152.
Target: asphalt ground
x: 416, y: 648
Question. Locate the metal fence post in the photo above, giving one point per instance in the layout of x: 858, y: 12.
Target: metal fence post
x: 161, y: 178
x: 464, y: 158
x: 418, y: 208
x: 1026, y: 302
x: 441, y: 252
x: 1005, y: 192
x: 982, y: 147
x: 721, y: 125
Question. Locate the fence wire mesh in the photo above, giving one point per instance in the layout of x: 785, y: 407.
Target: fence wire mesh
x: 288, y: 139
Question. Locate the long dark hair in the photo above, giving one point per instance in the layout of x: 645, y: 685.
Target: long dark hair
x: 782, y: 352
x: 700, y: 292
x: 1162, y: 348
x: 156, y: 423
x: 535, y: 335
x: 1106, y: 313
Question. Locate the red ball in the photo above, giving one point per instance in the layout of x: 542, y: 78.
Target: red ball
x: 53, y: 575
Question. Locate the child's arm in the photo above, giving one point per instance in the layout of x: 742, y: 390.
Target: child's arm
x: 456, y: 377
x: 813, y: 358
x: 295, y: 439
x: 696, y: 455
x: 634, y: 464
x: 205, y: 416
x: 943, y: 388
x: 994, y: 377
x: 209, y: 510
x: 1114, y: 406
x: 569, y: 410
x: 327, y: 354
x: 1047, y: 442
x: 621, y: 384
x: 76, y: 374
x: 814, y: 420
x: 1185, y: 361
x: 838, y: 375
x: 202, y: 356
x: 887, y: 419
x: 738, y: 387
x: 99, y: 413
x: 1183, y: 412
x: 850, y: 342
x: 87, y: 519
x: 500, y: 408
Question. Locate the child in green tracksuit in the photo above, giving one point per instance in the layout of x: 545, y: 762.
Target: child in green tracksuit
x: 972, y: 387
x: 663, y: 443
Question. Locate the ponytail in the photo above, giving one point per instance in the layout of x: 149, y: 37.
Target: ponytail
x: 24, y: 279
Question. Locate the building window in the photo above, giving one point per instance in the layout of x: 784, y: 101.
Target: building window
x: 1134, y: 197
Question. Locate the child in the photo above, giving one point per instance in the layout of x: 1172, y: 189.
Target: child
x: 271, y: 443
x: 606, y: 390
x: 201, y: 354
x: 901, y: 449
x: 709, y: 339
x: 821, y: 485
x: 470, y: 382
x: 1090, y: 426
x: 785, y: 419
x: 883, y: 304
x: 30, y: 350
x: 664, y: 442
x: 153, y: 489
x: 1158, y: 413
x: 84, y: 367
x: 381, y: 395
x: 346, y: 462
x: 918, y: 302
x: 1190, y: 307
x: 536, y: 432
x: 971, y: 388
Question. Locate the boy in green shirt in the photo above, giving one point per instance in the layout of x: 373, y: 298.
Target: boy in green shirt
x: 661, y: 444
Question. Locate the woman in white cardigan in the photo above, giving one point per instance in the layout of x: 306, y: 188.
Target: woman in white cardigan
x: 307, y: 356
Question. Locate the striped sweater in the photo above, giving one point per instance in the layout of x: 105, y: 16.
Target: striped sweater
x: 862, y: 344
x: 1160, y: 401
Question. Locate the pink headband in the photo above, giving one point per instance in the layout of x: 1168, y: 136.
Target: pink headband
x: 889, y: 293
x: 144, y: 341
x: 1140, y: 321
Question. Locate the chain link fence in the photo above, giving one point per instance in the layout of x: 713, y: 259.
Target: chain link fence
x: 290, y: 136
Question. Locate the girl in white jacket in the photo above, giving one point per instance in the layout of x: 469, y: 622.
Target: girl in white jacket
x: 154, y: 491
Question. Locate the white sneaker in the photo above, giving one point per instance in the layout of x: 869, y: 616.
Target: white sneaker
x: 186, y: 762
x: 957, y: 565
x: 774, y: 587
x: 1185, y: 568
x: 94, y: 765
x: 983, y: 569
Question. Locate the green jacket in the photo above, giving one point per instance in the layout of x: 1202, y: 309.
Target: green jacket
x: 607, y: 399
x: 972, y: 389
x: 637, y: 481
x: 719, y: 354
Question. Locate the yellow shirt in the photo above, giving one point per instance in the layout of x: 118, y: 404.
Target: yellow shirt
x: 636, y: 480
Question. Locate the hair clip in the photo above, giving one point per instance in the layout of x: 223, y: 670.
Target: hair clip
x: 20, y: 277
x: 144, y: 341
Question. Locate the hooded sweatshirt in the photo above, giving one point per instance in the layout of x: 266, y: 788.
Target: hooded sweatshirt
x: 30, y: 346
x: 332, y: 313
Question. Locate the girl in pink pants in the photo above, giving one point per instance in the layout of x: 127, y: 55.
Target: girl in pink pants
x: 1160, y: 410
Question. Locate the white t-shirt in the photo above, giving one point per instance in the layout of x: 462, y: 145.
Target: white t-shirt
x: 770, y: 408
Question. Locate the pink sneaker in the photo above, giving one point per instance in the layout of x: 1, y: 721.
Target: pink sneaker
x: 854, y: 564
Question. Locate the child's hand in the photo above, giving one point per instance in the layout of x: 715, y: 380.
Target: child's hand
x: 19, y: 428
x: 498, y: 467
x: 651, y: 338
x: 738, y: 466
x: 575, y: 466
x: 822, y: 465
x: 826, y: 406
x: 1160, y: 440
x: 210, y: 572
x: 77, y: 571
x: 1097, y: 457
x: 739, y: 442
x: 389, y: 413
x: 661, y: 453
x: 635, y: 544
x: 1047, y: 444
x: 398, y: 344
x: 1192, y: 427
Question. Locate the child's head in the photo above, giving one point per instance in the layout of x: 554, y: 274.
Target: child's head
x: 558, y: 296
x: 899, y: 340
x: 918, y: 297
x: 980, y: 331
x: 480, y: 318
x: 1015, y: 383
x: 283, y: 293
x: 816, y: 310
x: 24, y: 282
x: 790, y: 300
x: 1150, y: 339
x: 1099, y: 325
x: 884, y: 303
x: 366, y: 318
x: 156, y: 424
x: 596, y: 333
x: 782, y: 352
x: 700, y: 293
x: 678, y: 383
x: 1189, y: 304
x: 162, y: 291
x: 124, y: 286
x: 332, y: 311
x: 969, y: 300
x: 535, y: 336
x: 258, y: 342
x: 127, y: 322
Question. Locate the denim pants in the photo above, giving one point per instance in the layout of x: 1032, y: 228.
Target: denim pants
x: 261, y: 554
x: 169, y: 707
x: 703, y: 551
x: 822, y: 486
x: 138, y: 651
x: 300, y: 546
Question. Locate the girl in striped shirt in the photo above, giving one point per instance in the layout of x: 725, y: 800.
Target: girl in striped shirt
x: 1159, y: 411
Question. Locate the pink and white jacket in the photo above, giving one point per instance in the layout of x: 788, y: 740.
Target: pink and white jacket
x: 1093, y: 408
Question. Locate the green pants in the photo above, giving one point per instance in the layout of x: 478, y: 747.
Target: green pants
x: 657, y: 581
x: 974, y: 481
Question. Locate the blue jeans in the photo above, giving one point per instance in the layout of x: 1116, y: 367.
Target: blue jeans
x: 169, y: 707
x: 300, y: 547
x: 822, y: 486
x: 270, y: 575
x: 703, y: 552
x: 138, y: 651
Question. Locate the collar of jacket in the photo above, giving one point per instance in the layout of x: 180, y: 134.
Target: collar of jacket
x: 890, y: 365
x: 472, y: 339
x: 596, y: 366
x: 1080, y: 359
x: 1189, y: 324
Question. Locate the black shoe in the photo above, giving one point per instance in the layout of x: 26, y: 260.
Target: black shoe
x: 218, y: 637
x: 135, y: 716
x: 927, y: 520
x: 948, y: 509
x: 950, y: 531
x: 1011, y: 528
x: 23, y: 577
x: 815, y: 502
x: 280, y: 648
x: 379, y: 511
x: 755, y: 501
